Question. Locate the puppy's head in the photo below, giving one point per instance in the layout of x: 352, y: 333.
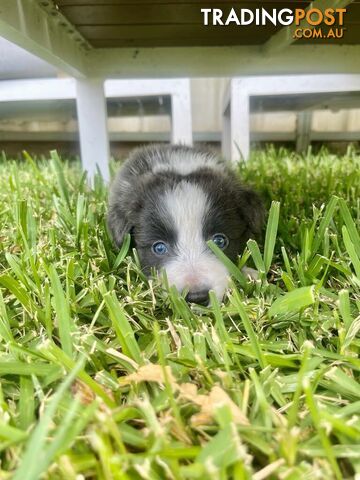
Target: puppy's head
x: 171, y: 217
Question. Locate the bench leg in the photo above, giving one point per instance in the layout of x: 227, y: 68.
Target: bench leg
x: 303, y: 130
x: 92, y: 119
x: 239, y: 126
x: 181, y: 118
x: 226, y: 134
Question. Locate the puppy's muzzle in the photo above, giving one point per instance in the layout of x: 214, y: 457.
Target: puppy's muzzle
x: 201, y: 297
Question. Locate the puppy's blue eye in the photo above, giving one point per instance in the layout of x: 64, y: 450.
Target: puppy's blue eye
x: 220, y: 240
x: 159, y: 248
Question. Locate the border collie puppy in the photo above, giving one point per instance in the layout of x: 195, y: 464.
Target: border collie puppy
x: 172, y: 200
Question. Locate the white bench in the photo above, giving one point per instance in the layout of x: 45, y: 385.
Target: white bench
x: 91, y: 108
x: 303, y: 92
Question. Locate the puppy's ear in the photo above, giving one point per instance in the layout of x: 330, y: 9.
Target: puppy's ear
x: 123, y: 204
x: 118, y: 223
x: 251, y: 209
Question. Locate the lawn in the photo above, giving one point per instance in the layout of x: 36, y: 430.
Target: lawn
x: 105, y: 375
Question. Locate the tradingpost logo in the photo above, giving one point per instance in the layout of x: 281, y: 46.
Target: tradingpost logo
x: 311, y: 23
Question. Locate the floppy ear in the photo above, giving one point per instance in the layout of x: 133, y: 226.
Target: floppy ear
x: 122, y: 207
x: 118, y: 223
x: 251, y: 209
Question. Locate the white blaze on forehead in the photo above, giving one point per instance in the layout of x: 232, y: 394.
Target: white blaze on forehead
x: 192, y: 266
x: 187, y: 205
x: 185, y: 162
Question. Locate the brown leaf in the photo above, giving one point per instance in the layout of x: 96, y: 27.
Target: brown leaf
x: 150, y: 373
x: 210, y: 403
x: 83, y: 392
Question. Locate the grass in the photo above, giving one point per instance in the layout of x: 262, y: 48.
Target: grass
x: 106, y: 376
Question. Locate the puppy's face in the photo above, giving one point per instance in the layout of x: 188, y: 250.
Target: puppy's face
x: 172, y: 235
x: 175, y: 217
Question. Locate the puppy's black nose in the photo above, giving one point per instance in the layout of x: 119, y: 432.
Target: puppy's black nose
x: 201, y: 297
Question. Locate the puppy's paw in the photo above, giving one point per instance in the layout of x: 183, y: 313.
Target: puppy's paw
x: 250, y: 273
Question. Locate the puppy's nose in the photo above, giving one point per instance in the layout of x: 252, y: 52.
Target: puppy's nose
x: 201, y: 297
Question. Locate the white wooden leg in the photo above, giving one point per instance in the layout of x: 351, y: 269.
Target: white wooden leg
x: 92, y: 119
x: 303, y: 130
x: 226, y: 134
x: 181, y: 118
x: 239, y: 125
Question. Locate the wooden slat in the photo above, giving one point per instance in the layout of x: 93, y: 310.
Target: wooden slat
x: 103, y: 32
x: 170, y: 42
x: 174, y: 23
x: 150, y: 14
x: 169, y: 35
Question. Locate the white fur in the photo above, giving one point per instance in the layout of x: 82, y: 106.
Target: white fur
x: 194, y: 266
x: 184, y: 163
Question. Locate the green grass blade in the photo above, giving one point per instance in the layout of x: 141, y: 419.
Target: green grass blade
x: 123, y: 251
x: 351, y: 250
x: 231, y: 267
x: 293, y: 301
x: 123, y: 329
x: 271, y: 232
x: 62, y: 184
x: 328, y: 216
x: 26, y: 403
x: 28, y: 468
x: 256, y: 256
x: 350, y: 225
x: 236, y: 301
x: 316, y: 417
x: 62, y: 311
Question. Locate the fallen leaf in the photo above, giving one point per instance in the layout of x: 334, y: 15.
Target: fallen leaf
x: 150, y: 373
x: 210, y: 403
x: 83, y: 392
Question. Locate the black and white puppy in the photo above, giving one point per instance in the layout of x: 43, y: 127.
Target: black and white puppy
x: 173, y: 199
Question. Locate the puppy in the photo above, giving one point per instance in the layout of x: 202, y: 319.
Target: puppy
x: 172, y: 200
